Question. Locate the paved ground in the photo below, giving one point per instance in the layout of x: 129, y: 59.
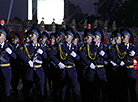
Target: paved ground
x: 49, y: 99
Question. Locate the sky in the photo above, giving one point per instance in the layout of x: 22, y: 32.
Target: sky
x: 19, y: 8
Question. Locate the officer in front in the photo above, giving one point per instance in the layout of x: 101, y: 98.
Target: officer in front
x: 5, y: 69
x: 64, y: 56
x: 32, y: 54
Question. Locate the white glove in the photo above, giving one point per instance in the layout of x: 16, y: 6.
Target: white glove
x: 92, y: 66
x: 73, y: 54
x: 8, y: 50
x: 105, y: 62
x: 132, y: 53
x: 40, y: 51
x: 113, y: 63
x: 31, y: 64
x: 102, y: 53
x: 61, y: 65
x: 122, y: 63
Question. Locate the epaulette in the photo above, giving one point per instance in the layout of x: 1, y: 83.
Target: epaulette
x: 26, y: 44
x: 60, y: 43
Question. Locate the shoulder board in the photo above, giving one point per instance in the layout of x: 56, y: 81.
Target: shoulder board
x: 26, y: 44
x: 60, y: 43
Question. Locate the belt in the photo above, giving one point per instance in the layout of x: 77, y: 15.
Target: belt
x: 5, y: 65
x: 37, y: 66
x: 130, y: 66
x: 99, y: 66
x: 69, y: 66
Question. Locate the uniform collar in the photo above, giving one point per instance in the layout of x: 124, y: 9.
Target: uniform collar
x: 2, y: 44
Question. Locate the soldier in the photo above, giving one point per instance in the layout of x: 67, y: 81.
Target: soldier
x: 5, y: 68
x: 85, y: 24
x: 16, y: 67
x: 100, y: 75
x: 95, y: 25
x: 33, y: 55
x: 82, y: 69
x: 73, y: 24
x: 105, y: 26
x: 64, y: 24
x: 64, y: 56
x: 42, y: 25
x: 113, y: 26
x: 127, y: 38
x: 122, y: 55
x: 53, y: 26
x: 112, y: 66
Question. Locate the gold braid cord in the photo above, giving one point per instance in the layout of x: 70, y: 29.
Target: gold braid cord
x: 119, y: 53
x: 90, y: 54
x: 63, y: 55
x: 28, y: 52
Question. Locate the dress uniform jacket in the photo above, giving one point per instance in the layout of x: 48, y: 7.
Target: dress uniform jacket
x: 6, y: 71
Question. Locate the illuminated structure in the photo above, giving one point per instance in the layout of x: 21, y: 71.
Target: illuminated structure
x: 48, y: 9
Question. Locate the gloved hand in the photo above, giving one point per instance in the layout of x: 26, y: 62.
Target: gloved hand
x: 122, y: 63
x: 92, y: 66
x: 31, y: 64
x: 113, y: 63
x: 39, y: 51
x: 102, y: 53
x: 105, y: 62
x: 132, y: 53
x: 8, y: 50
x: 61, y: 65
x: 73, y: 54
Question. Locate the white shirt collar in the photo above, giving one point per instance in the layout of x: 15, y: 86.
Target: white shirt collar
x: 127, y: 45
x: 98, y: 44
x: 69, y: 45
x: 2, y: 44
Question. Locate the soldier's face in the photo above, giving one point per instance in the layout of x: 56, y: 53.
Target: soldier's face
x: 52, y: 41
x: 33, y: 37
x: 2, y: 38
x: 112, y: 40
x: 44, y: 40
x: 97, y: 38
x: 16, y: 41
x: 118, y: 40
x: 126, y: 38
x: 75, y: 41
x: 68, y: 38
x: 89, y: 39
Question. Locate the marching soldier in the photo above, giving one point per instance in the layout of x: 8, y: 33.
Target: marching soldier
x: 95, y: 72
x: 64, y: 56
x: 33, y: 55
x: 84, y: 48
x: 5, y: 69
x: 122, y: 55
x: 112, y: 66
x: 16, y: 67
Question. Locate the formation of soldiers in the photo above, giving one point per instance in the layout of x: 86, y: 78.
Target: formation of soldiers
x: 104, y: 72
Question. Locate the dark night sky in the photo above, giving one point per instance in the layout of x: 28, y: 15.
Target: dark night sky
x: 19, y: 8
